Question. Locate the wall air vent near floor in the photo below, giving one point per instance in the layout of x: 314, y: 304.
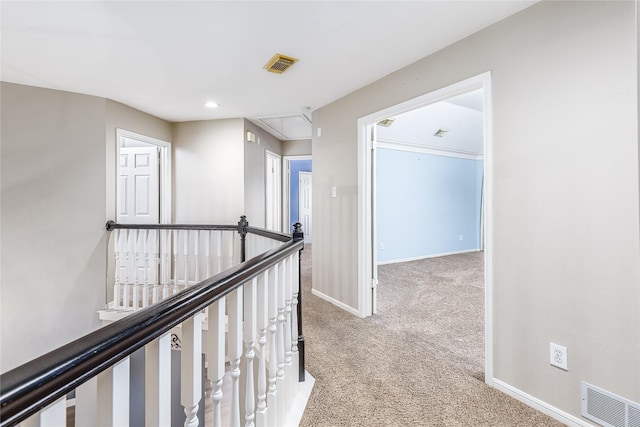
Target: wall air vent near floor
x: 608, y: 409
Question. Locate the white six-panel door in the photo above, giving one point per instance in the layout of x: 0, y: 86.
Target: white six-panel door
x: 138, y: 186
x: 304, y: 204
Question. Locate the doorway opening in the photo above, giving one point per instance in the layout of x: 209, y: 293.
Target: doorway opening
x: 304, y: 204
x: 297, y: 195
x: 369, y: 244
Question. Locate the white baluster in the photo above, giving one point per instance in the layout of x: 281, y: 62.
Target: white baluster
x: 54, y: 415
x: 196, y: 255
x: 280, y: 342
x: 166, y: 262
x: 113, y: 395
x: 272, y: 393
x: 259, y: 245
x: 295, y: 289
x: 157, y: 397
x: 234, y: 313
x: 219, y: 252
x: 231, y: 254
x: 250, y: 307
x: 288, y: 364
x: 130, y: 269
x: 137, y: 262
x: 262, y: 322
x: 155, y: 265
x: 117, y: 262
x: 248, y: 246
x: 254, y: 245
x: 191, y: 368
x: 147, y: 265
x: 86, y: 412
x: 207, y: 252
x: 216, y: 355
x: 185, y: 257
x: 176, y: 236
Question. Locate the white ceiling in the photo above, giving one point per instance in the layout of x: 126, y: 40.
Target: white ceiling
x: 461, y: 116
x: 168, y: 58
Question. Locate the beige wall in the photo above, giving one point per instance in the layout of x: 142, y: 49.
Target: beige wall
x: 254, y: 172
x: 298, y: 147
x: 566, y: 197
x: 208, y: 158
x: 52, y: 219
x: 58, y: 167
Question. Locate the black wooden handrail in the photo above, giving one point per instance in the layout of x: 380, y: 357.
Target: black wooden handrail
x: 242, y: 228
x: 275, y: 235
x: 282, y: 237
x: 34, y: 385
x: 112, y: 225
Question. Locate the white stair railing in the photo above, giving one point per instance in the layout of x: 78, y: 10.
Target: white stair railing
x: 151, y: 265
x: 251, y: 305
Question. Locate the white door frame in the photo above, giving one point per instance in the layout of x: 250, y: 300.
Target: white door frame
x: 277, y: 190
x: 372, y: 134
x: 286, y: 189
x: 365, y: 186
x: 165, y: 168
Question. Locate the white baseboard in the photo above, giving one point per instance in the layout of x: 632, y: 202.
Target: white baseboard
x: 540, y: 405
x: 418, y: 258
x: 334, y: 301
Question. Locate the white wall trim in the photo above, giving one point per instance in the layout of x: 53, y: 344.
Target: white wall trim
x: 394, y: 144
x: 278, y: 201
x: 418, y: 258
x: 334, y: 301
x: 286, y: 189
x: 487, y: 225
x: 365, y: 219
x: 540, y: 405
x: 165, y: 168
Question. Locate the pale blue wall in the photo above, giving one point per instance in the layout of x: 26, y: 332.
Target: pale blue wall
x: 296, y: 166
x: 425, y: 202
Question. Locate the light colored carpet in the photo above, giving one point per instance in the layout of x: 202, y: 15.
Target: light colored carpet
x: 418, y: 362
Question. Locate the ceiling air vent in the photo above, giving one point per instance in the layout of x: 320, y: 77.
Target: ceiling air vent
x: 441, y: 132
x: 386, y: 122
x: 280, y: 63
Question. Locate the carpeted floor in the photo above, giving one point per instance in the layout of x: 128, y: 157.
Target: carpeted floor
x: 418, y: 362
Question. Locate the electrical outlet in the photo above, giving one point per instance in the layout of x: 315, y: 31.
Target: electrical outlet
x: 382, y: 246
x: 558, y: 356
x: 461, y: 237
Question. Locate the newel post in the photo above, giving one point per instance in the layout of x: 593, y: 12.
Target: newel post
x: 243, y: 229
x: 299, y: 235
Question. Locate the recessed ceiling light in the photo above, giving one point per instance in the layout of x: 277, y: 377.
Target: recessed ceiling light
x: 211, y: 104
